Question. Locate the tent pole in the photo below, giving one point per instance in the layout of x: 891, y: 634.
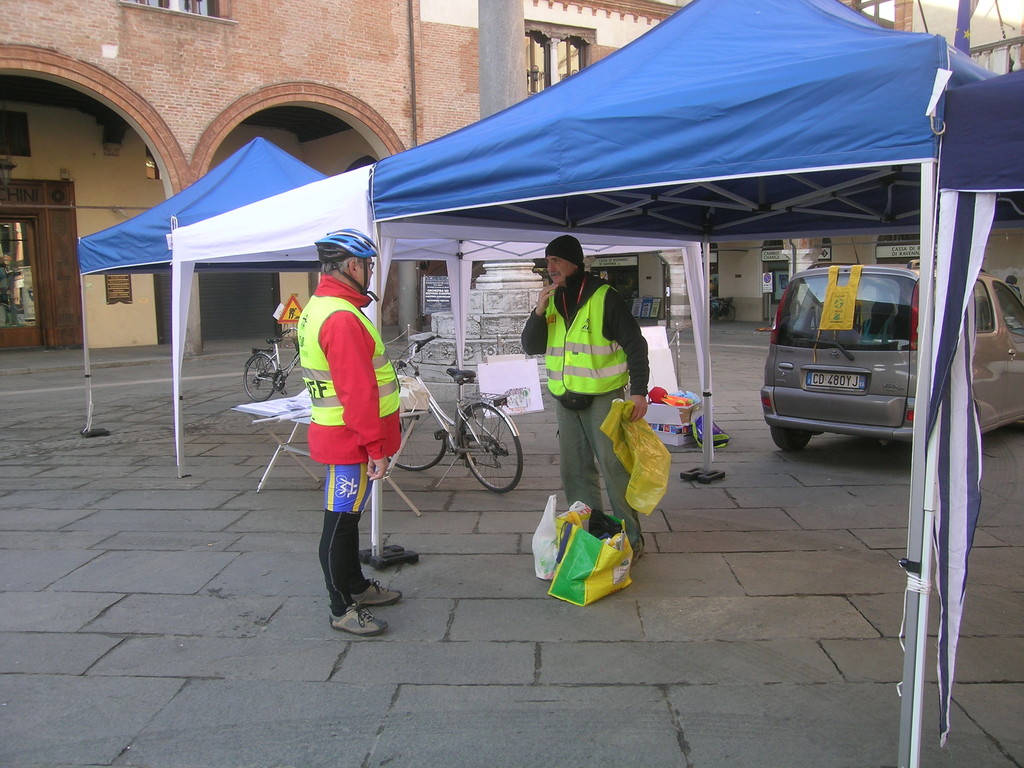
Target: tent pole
x: 709, y: 410
x: 89, y: 430
x: 918, y: 562
x: 377, y: 555
x: 182, y: 273
x: 697, y: 280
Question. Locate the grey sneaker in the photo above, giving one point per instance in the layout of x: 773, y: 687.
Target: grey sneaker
x: 358, y: 621
x: 375, y: 594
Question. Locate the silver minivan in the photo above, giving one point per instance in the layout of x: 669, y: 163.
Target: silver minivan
x: 861, y: 381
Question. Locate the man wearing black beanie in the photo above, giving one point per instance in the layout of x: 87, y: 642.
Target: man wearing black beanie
x: 593, y: 348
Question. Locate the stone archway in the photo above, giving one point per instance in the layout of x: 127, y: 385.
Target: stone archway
x: 346, y: 106
x: 46, y: 64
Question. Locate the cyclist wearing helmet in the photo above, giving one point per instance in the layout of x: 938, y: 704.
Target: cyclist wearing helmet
x: 354, y: 425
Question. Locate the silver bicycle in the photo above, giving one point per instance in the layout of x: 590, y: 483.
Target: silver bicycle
x: 480, y: 434
x: 264, y: 375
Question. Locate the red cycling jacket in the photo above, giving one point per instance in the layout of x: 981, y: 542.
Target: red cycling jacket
x: 349, y: 351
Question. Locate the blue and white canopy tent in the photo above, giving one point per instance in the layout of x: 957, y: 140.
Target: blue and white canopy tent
x: 731, y: 120
x: 142, y: 244
x: 257, y: 170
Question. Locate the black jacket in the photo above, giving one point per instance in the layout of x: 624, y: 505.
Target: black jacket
x: 619, y: 326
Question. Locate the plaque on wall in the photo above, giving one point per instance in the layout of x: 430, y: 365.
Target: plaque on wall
x: 119, y: 289
x: 437, y: 294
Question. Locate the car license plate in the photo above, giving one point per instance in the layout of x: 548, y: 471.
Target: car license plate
x: 853, y: 382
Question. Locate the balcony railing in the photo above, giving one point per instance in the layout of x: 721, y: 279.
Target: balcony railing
x: 1001, y: 56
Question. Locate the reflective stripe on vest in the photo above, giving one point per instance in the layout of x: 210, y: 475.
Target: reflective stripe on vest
x: 326, y: 408
x: 582, y: 359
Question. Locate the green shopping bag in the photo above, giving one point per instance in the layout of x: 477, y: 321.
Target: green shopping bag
x: 590, y: 568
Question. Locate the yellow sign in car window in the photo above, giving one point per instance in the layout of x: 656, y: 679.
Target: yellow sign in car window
x: 840, y: 300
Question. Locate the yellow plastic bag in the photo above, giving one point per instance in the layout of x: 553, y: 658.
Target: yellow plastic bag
x: 837, y: 310
x: 643, y: 455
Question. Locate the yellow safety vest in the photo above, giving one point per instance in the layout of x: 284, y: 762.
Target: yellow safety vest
x: 581, y: 359
x: 327, y: 409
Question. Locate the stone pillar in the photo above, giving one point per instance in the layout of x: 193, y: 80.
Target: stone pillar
x: 193, y: 345
x: 498, y: 306
x: 502, y: 62
x: 408, y: 295
x: 679, y: 317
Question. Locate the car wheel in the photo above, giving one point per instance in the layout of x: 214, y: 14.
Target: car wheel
x: 790, y: 439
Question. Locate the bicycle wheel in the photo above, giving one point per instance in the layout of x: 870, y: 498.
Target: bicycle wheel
x: 259, y: 377
x: 426, y: 443
x: 729, y: 313
x: 496, y: 455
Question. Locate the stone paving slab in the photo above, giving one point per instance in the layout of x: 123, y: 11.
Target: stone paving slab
x: 51, y: 653
x: 150, y: 572
x: 757, y: 541
x: 175, y: 540
x: 21, y: 518
x: 164, y: 520
x: 817, y: 573
x: 996, y: 709
x: 475, y: 575
x: 544, y: 618
x: 207, y: 615
x: 232, y: 658
x: 234, y: 723
x: 892, y: 516
x: 45, y: 540
x: 60, y: 720
x: 286, y: 519
x: 434, y: 663
x: 814, y: 726
x: 751, y: 618
x: 267, y: 573
x: 731, y: 520
x: 527, y: 726
x: 979, y: 659
x: 51, y: 611
x: 30, y: 570
x: 715, y: 662
x: 997, y: 567
x: 170, y: 498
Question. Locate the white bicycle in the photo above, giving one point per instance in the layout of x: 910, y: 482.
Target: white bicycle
x: 481, y: 434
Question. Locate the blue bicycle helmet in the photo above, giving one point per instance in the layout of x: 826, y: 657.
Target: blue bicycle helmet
x: 340, y: 245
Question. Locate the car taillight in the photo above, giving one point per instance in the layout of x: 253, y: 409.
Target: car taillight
x: 778, y: 315
x: 914, y: 318
x: 766, y: 401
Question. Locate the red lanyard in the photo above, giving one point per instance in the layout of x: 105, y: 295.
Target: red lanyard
x: 579, y: 296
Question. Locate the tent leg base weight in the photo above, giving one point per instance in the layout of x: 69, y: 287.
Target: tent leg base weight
x: 391, y: 554
x: 95, y: 432
x: 701, y: 476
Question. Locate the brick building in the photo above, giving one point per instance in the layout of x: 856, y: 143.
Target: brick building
x: 108, y: 107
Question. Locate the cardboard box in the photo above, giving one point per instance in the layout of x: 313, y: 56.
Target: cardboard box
x: 669, y: 423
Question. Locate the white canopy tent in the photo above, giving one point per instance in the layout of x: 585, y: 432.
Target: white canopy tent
x: 278, y: 234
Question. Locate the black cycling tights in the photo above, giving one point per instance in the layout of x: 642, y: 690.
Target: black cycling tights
x: 339, y: 558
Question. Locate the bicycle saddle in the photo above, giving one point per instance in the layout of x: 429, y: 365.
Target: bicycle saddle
x: 461, y: 377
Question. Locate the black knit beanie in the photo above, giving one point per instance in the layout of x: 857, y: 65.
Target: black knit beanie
x: 566, y: 247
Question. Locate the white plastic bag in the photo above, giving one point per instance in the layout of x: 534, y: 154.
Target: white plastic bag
x: 545, y: 545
